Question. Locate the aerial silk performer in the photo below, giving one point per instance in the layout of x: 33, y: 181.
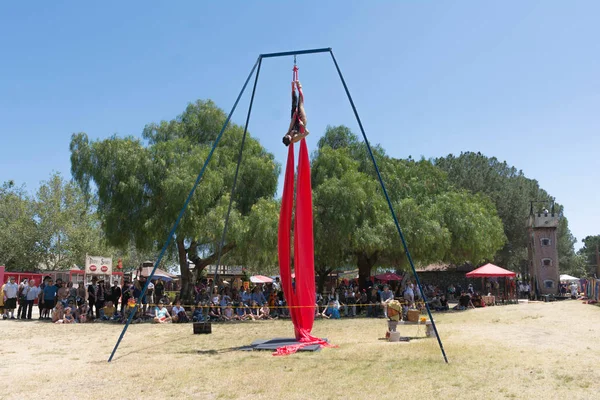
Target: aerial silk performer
x: 300, y: 295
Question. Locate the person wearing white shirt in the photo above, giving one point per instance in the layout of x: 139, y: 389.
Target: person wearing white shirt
x: 409, y: 295
x: 150, y: 293
x: 574, y: 290
x: 31, y: 292
x: 10, y: 292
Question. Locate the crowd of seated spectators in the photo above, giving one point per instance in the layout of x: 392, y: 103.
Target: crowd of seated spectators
x: 235, y: 300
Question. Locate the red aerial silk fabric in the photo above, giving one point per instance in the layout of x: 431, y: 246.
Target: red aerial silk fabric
x: 300, y: 298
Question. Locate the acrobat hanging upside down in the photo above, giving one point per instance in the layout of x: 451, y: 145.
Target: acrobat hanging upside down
x: 297, y: 129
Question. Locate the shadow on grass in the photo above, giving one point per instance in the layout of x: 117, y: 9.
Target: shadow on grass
x: 136, y: 351
x: 410, y: 338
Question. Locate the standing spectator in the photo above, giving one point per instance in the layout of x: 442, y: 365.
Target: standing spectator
x: 138, y: 286
x: 107, y: 292
x: 409, y: 295
x: 21, y: 297
x: 92, y: 290
x: 277, y: 284
x: 2, y: 300
x: 373, y: 301
x: 30, y: 293
x: 159, y: 290
x: 42, y: 310
x: 126, y: 294
x: 150, y: 293
x: 81, y: 294
x: 72, y: 296
x: 386, y: 296
x: 11, y: 290
x: 49, y: 297
x: 574, y: 290
x: 116, y: 295
x: 62, y: 292
x: 100, y: 296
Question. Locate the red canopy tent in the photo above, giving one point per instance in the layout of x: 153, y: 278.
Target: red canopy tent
x: 388, y: 276
x: 491, y: 271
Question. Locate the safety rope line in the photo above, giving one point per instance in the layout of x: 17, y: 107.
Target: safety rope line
x: 284, y: 307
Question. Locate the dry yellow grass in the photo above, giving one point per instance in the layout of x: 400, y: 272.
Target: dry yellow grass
x: 529, y: 351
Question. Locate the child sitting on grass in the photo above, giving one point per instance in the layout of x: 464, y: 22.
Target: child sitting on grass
x: 331, y: 312
x: 265, y: 312
x: 58, y: 313
x: 83, y: 311
x: 68, y: 318
x: 162, y: 315
x: 107, y: 312
x: 228, y: 314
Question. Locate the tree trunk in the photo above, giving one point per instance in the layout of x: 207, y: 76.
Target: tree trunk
x: 188, y: 277
x: 365, y: 264
x: 187, y: 288
x: 323, y: 274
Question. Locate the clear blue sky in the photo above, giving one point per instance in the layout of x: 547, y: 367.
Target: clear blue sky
x: 518, y: 80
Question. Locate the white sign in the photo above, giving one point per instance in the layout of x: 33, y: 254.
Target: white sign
x: 98, y: 265
x: 226, y: 269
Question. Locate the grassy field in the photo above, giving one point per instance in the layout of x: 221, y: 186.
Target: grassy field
x: 526, y: 351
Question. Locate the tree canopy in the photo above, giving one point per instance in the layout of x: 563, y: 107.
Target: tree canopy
x: 141, y: 187
x: 18, y: 229
x: 353, y: 223
x: 511, y: 192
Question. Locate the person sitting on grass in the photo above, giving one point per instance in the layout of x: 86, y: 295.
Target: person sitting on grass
x: 215, y: 312
x: 254, y: 310
x: 129, y: 309
x: 162, y: 315
x: 444, y: 303
x: 58, y: 313
x: 82, y: 312
x: 436, y: 303
x: 228, y: 314
x: 331, y: 312
x: 68, y: 318
x: 244, y: 313
x: 197, y: 314
x: 463, y: 302
x: 107, y: 313
x: 179, y: 314
x: 264, y: 312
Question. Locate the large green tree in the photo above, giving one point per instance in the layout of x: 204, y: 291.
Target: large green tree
x: 589, y: 263
x: 142, y: 185
x: 67, y: 226
x: 511, y: 193
x: 18, y: 229
x: 354, y: 225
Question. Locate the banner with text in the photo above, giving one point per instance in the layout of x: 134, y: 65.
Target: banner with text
x: 98, y: 265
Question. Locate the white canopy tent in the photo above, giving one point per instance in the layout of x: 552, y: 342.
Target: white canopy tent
x: 568, y: 278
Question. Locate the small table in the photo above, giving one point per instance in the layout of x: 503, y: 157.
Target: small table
x: 489, y: 300
x: 428, y: 326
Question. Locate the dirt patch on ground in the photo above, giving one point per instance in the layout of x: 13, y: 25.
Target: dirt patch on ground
x: 536, y: 350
